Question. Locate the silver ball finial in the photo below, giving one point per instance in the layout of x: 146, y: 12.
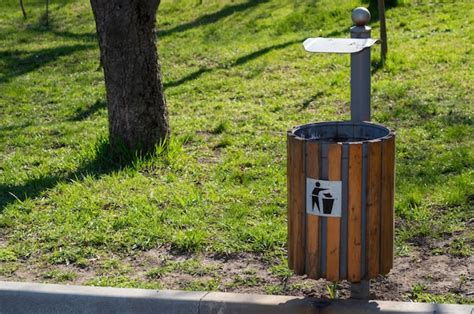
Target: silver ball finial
x: 360, y: 16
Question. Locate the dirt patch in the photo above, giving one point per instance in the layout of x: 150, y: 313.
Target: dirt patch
x: 439, y: 274
x: 252, y: 273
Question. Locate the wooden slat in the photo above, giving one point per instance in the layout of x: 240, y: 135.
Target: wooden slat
x: 296, y: 204
x: 354, y: 213
x: 289, y: 198
x: 387, y: 212
x: 333, y: 223
x: 312, y: 221
x: 374, y: 178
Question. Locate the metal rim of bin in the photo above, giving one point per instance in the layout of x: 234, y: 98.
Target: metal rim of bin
x: 337, y: 131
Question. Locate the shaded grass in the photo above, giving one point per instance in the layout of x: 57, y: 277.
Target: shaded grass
x: 16, y: 62
x: 236, y: 79
x: 227, y: 10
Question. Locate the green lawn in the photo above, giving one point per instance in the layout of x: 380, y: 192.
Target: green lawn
x: 236, y: 78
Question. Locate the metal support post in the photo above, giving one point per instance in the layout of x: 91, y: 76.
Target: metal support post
x: 360, y: 68
x: 360, y: 290
x: 358, y: 46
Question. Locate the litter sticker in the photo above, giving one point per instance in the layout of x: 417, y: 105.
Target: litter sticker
x: 323, y: 198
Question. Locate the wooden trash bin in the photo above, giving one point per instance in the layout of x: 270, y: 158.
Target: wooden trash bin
x: 341, y: 200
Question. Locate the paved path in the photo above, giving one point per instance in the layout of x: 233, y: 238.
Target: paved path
x: 19, y: 297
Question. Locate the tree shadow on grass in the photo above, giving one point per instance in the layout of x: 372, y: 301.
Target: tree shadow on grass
x: 19, y: 62
x: 201, y: 21
x: 82, y: 114
x: 237, y: 62
x: 71, y: 35
x: 6, y: 128
x: 212, y: 17
x: 241, y: 60
x: 105, y: 162
x: 39, y: 28
x: 307, y: 102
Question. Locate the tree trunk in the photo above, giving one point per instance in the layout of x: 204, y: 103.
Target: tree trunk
x: 383, y: 30
x: 138, y: 115
x: 23, y: 9
x: 47, y: 14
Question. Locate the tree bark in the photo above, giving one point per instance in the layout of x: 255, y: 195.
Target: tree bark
x: 137, y: 111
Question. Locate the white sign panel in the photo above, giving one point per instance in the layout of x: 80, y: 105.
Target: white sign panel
x: 323, y: 198
x: 337, y: 45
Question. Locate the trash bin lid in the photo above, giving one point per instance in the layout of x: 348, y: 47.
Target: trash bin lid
x: 342, y: 131
x: 337, y: 45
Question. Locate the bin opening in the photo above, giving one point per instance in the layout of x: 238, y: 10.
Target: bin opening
x: 341, y: 131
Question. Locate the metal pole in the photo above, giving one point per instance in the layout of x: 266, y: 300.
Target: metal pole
x: 360, y: 68
x: 360, y: 290
x: 360, y: 101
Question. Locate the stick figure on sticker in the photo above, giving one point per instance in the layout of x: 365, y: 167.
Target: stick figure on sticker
x: 324, y: 200
x: 315, y: 195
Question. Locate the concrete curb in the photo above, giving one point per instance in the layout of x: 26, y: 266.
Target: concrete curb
x: 19, y: 297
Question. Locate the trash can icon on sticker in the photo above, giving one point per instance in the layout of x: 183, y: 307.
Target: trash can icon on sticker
x: 323, y: 198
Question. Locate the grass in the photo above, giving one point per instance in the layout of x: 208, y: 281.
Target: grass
x: 191, y: 267
x: 419, y: 294
x: 236, y: 79
x: 332, y: 290
x: 59, y: 276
